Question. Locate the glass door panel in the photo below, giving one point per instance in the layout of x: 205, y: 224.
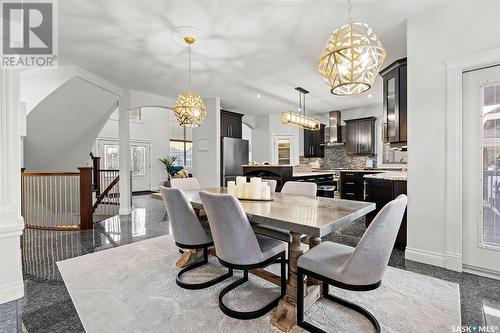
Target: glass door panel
x: 491, y: 165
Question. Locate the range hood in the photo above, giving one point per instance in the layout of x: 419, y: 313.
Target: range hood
x: 334, y: 129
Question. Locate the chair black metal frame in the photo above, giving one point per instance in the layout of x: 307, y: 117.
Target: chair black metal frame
x: 281, y: 258
x: 204, y: 261
x: 326, y: 283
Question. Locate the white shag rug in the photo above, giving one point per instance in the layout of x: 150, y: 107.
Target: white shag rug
x: 132, y: 288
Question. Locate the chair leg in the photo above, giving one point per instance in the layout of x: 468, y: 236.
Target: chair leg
x: 314, y: 329
x: 257, y: 313
x: 356, y: 308
x: 201, y: 285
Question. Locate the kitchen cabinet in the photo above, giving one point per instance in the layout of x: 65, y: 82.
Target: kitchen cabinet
x: 230, y: 124
x: 314, y: 142
x: 395, y: 102
x: 352, y: 185
x: 361, y: 136
x: 381, y: 192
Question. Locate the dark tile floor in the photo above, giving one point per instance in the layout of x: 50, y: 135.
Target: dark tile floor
x: 48, y: 307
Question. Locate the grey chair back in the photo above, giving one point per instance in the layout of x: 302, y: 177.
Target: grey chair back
x: 186, y: 226
x: 185, y: 183
x: 272, y: 183
x: 306, y: 189
x: 369, y: 260
x: 234, y: 239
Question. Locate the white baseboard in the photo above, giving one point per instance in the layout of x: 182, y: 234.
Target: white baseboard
x: 125, y: 211
x: 482, y: 272
x: 449, y: 261
x: 11, y: 292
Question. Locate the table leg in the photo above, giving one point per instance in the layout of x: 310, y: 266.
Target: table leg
x: 313, y: 241
x: 188, y: 257
x: 285, y: 315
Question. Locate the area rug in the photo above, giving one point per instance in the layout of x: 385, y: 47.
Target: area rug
x: 132, y: 288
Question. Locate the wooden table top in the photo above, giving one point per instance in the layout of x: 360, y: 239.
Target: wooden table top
x: 315, y: 217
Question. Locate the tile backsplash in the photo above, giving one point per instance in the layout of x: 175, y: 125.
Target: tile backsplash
x: 336, y: 156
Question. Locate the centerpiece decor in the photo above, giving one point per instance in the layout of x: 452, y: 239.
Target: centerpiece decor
x: 189, y: 108
x: 299, y: 119
x: 351, y: 58
x: 255, y: 190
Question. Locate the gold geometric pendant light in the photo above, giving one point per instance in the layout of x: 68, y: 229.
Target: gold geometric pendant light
x: 351, y: 59
x: 189, y: 108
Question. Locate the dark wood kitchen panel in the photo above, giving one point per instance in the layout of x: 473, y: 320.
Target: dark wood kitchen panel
x: 382, y: 191
x: 230, y: 124
x: 361, y: 136
x: 314, y: 142
x: 395, y: 102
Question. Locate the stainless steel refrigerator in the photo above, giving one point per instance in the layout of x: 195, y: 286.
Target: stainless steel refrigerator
x: 234, y: 153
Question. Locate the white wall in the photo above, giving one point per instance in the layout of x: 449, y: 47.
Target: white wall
x: 454, y: 30
x: 276, y: 128
x: 62, y: 128
x: 266, y: 128
x: 155, y: 130
x: 261, y: 140
x: 206, y: 164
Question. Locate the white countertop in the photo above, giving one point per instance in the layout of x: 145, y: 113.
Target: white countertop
x: 391, y: 175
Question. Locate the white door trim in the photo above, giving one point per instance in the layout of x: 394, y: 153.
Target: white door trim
x: 453, y: 192
x: 293, y: 153
x: 99, y: 141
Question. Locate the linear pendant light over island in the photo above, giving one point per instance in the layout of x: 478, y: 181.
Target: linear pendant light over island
x: 299, y: 119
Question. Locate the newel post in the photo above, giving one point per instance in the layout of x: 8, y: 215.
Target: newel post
x: 86, y: 221
x: 97, y: 180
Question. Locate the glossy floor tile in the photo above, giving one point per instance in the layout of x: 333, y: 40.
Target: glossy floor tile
x: 47, y: 306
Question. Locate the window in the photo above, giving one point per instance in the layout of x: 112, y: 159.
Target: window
x: 111, y: 160
x: 135, y: 115
x: 138, y: 160
x: 181, y: 143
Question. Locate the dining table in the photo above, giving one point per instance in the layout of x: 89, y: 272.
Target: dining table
x: 314, y: 217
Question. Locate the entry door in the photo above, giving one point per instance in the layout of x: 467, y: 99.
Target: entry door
x: 140, y: 153
x: 140, y: 165
x: 481, y: 171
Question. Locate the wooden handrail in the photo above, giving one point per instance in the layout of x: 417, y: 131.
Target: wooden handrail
x: 105, y: 192
x: 28, y: 174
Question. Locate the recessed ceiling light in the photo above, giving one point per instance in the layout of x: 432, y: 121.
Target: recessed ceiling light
x: 259, y: 96
x: 370, y: 95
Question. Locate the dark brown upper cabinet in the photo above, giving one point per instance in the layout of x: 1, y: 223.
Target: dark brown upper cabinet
x: 395, y: 101
x: 361, y: 136
x: 230, y: 124
x: 313, y: 142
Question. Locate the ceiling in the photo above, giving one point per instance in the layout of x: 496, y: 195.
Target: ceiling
x: 250, y: 47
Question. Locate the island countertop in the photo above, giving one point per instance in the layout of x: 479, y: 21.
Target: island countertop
x: 393, y: 175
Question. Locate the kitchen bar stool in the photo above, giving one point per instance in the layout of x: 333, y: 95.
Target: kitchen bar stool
x: 237, y: 247
x: 188, y: 234
x: 358, y: 269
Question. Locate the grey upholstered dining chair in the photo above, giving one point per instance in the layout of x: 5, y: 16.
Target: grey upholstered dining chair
x: 237, y: 247
x: 272, y: 183
x: 296, y: 188
x: 188, y: 234
x: 185, y: 183
x: 359, y: 269
x: 305, y: 189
